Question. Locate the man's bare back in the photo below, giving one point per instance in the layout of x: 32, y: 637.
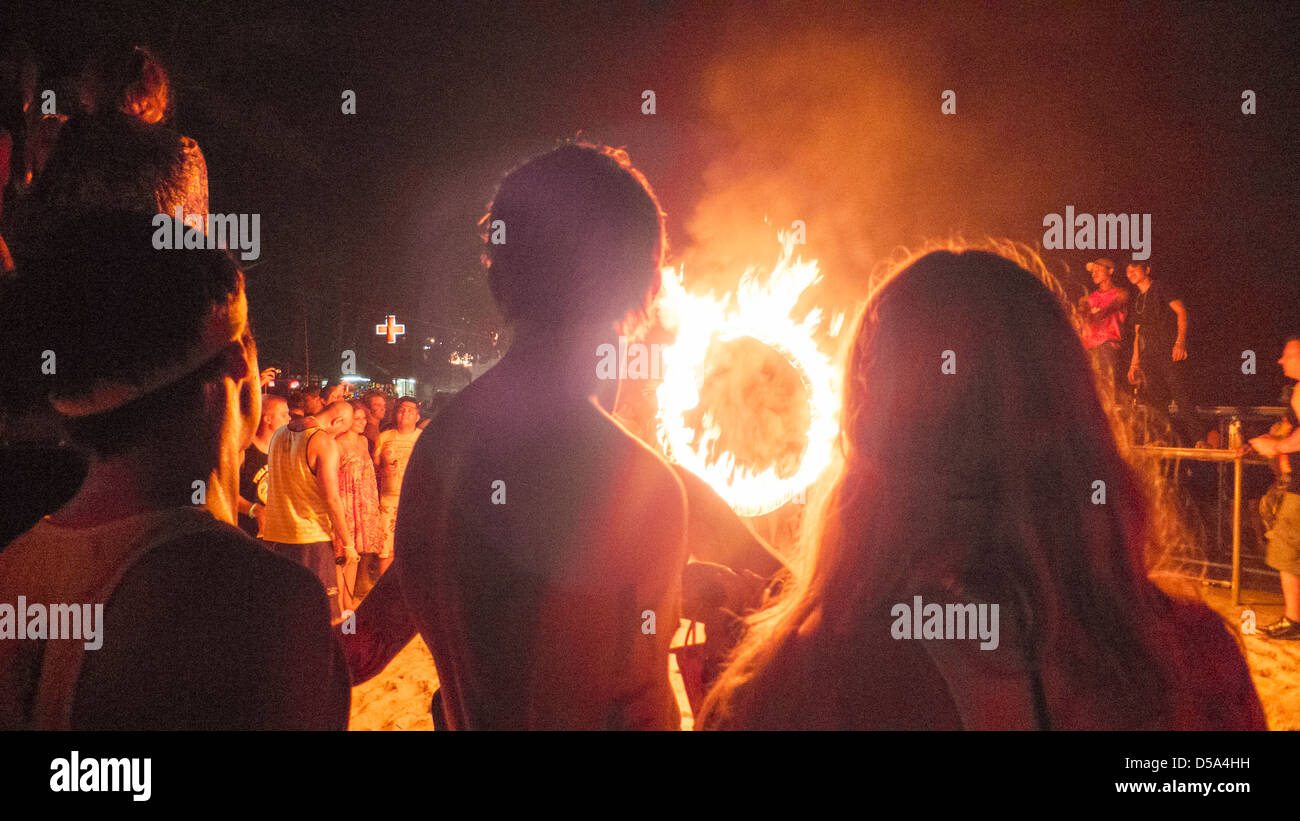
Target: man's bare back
x: 540, y: 548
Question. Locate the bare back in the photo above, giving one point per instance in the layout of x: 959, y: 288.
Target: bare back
x: 540, y: 549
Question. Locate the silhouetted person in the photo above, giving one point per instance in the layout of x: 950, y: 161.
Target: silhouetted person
x: 970, y: 481
x: 539, y: 546
x: 119, y: 153
x: 202, y: 627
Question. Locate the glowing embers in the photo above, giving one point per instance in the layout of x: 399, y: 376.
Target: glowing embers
x: 749, y: 401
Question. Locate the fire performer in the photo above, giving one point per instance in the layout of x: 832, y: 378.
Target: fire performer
x: 1283, y: 553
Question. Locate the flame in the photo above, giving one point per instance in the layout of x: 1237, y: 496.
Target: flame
x: 759, y: 310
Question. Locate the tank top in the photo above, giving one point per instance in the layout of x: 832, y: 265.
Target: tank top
x: 56, y: 564
x: 296, y: 512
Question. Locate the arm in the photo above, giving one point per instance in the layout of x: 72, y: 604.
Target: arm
x: 1133, y: 366
x: 716, y: 534
x: 1270, y: 447
x: 327, y: 481
x: 382, y: 627
x: 1180, y: 344
x: 1119, y: 303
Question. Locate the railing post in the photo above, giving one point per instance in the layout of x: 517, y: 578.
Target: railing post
x: 1236, y: 530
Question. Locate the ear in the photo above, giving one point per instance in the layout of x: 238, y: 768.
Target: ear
x: 236, y: 365
x: 235, y: 362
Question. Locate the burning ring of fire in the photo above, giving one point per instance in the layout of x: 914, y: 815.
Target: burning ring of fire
x: 760, y: 310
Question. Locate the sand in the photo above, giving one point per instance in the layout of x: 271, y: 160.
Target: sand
x: 398, y: 698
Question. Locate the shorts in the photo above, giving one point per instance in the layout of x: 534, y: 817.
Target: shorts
x: 388, y: 525
x: 1283, y: 551
x: 318, y: 557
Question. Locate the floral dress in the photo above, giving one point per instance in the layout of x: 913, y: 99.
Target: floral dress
x: 360, y: 497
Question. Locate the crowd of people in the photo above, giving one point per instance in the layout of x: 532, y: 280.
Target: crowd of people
x: 544, y: 553
x: 329, y: 503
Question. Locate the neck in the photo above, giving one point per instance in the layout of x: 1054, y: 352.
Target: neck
x: 148, y: 479
x: 262, y: 439
x: 564, y: 360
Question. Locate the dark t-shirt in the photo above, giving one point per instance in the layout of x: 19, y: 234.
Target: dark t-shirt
x: 252, y: 485
x: 1157, y: 322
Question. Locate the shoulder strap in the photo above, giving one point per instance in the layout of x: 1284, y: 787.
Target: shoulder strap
x: 306, y: 450
x: 61, y: 660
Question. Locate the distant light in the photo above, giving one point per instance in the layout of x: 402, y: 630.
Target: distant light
x: 293, y: 386
x: 355, y: 379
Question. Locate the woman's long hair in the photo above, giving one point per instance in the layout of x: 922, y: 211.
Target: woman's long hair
x: 974, y: 447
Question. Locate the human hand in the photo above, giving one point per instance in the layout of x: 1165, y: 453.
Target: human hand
x: 342, y: 544
x: 268, y: 376
x: 1180, y: 352
x: 1265, y: 446
x: 1134, y: 374
x: 707, y: 586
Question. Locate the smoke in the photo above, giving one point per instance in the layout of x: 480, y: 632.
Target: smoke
x: 843, y: 130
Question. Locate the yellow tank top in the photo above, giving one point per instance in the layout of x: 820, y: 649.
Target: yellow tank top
x: 296, y: 512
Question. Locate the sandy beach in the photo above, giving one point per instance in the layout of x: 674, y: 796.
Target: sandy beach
x: 398, y: 698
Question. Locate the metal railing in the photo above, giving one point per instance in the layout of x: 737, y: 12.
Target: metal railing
x: 1218, y: 455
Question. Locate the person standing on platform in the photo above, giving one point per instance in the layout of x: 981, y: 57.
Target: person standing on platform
x: 1104, y: 309
x: 1160, y: 347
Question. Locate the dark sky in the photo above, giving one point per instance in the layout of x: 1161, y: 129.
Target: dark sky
x: 829, y: 116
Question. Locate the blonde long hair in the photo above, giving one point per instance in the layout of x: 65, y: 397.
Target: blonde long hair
x: 1015, y: 437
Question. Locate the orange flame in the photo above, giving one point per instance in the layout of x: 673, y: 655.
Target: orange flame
x: 760, y: 310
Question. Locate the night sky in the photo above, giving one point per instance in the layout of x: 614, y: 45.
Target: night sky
x: 763, y: 111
